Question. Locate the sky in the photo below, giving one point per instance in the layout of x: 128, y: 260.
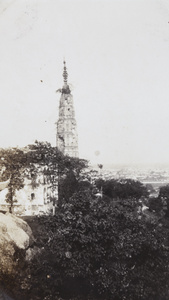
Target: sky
x: 117, y: 55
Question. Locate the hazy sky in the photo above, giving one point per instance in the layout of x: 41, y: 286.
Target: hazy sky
x: 117, y: 55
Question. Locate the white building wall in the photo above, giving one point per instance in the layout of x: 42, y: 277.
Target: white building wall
x: 31, y: 201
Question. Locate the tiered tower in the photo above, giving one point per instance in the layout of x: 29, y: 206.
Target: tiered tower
x: 67, y: 138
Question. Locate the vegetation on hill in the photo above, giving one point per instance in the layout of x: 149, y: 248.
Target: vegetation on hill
x: 96, y: 249
x: 160, y: 204
x: 17, y: 164
x: 124, y: 188
x: 97, y: 246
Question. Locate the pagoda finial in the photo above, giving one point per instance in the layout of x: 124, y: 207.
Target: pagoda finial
x: 65, y: 74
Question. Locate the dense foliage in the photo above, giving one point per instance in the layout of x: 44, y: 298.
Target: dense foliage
x: 97, y: 249
x: 160, y: 204
x: 17, y: 164
x: 12, y: 162
x: 43, y: 154
x: 164, y: 197
x: 156, y: 205
x: 124, y: 188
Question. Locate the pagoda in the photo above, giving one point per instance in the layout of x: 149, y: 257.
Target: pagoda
x: 67, y: 137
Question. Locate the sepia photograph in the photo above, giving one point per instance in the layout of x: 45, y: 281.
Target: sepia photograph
x: 84, y: 150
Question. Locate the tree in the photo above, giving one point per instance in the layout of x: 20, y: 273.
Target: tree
x: 100, y: 167
x: 156, y: 204
x: 67, y: 186
x: 65, y: 170
x: 17, y: 164
x: 122, y: 189
x: 150, y: 188
x: 12, y: 161
x: 164, y: 197
x: 103, y: 250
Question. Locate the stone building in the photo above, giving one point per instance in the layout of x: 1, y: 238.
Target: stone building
x: 39, y: 195
x: 66, y: 137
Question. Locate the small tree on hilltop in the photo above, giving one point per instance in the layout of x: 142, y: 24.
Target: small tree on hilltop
x: 12, y: 161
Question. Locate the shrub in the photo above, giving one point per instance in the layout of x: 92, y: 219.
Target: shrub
x: 100, y: 249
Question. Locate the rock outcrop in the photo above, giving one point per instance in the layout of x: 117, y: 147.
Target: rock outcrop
x: 15, y: 234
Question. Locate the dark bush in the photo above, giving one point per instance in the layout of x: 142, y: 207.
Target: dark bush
x: 124, y: 188
x: 97, y: 249
x: 102, y: 250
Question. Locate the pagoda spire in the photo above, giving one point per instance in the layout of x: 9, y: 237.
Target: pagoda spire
x: 66, y: 88
x: 65, y: 73
x: 67, y: 137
